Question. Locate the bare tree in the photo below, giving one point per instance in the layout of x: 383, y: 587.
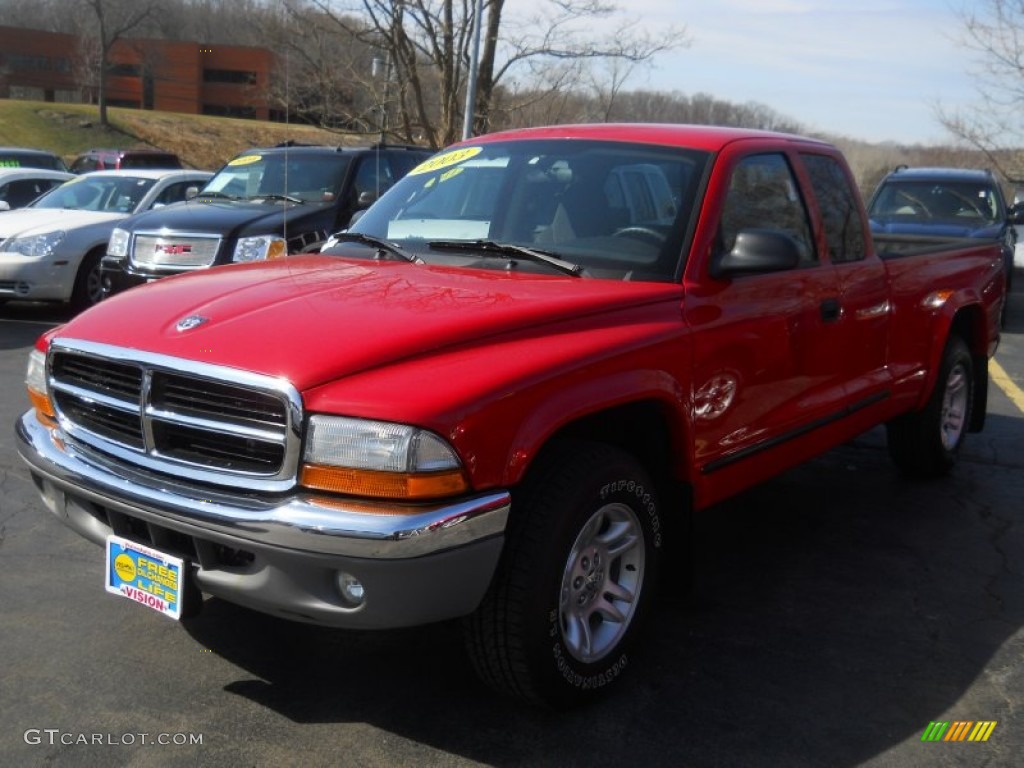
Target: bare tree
x: 428, y: 44
x: 324, y: 72
x: 994, y: 30
x: 111, y: 21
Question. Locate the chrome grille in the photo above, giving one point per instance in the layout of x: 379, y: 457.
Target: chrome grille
x: 174, y: 252
x: 214, y: 424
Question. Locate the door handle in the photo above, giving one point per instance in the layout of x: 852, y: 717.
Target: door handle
x: 831, y: 310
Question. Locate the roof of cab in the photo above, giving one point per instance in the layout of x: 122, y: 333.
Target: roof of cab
x: 707, y: 137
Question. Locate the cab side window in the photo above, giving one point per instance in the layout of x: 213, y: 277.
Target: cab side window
x: 839, y: 213
x: 84, y: 165
x: 373, y: 176
x: 176, y: 192
x: 23, y: 191
x: 763, y: 194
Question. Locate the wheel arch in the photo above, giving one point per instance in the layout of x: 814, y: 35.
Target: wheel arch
x: 653, y: 431
x: 967, y: 322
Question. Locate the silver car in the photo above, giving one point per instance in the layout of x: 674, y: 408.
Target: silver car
x: 51, y: 250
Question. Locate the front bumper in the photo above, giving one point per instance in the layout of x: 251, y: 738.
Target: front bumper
x: 117, y: 275
x: 30, y: 278
x: 281, y: 555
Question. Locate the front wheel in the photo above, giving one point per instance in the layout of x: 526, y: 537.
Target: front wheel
x: 925, y: 443
x: 88, y: 288
x: 576, y: 578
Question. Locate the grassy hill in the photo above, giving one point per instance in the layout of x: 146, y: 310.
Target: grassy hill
x: 200, y: 141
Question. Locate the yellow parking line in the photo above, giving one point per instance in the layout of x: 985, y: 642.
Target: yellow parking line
x: 1005, y: 383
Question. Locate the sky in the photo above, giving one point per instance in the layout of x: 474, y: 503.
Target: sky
x: 874, y: 70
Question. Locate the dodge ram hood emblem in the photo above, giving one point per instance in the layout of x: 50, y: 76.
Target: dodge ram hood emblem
x: 190, y: 322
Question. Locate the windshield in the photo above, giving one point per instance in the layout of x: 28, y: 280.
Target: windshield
x: 921, y: 202
x: 617, y: 210
x: 310, y: 178
x: 110, y: 194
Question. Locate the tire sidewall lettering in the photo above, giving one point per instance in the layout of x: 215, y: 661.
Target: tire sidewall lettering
x: 569, y: 670
x: 644, y: 500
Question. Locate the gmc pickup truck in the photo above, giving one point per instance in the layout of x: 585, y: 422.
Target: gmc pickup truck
x: 501, y: 394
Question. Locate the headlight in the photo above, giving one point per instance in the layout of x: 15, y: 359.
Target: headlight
x: 38, y: 389
x: 37, y: 246
x: 377, y: 458
x: 259, y: 248
x: 117, y: 246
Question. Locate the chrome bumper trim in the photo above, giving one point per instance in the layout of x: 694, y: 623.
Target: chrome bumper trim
x: 297, y: 521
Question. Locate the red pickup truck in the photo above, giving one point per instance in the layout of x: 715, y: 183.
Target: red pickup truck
x: 500, y: 395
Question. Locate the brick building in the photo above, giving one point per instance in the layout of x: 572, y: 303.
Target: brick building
x: 163, y: 75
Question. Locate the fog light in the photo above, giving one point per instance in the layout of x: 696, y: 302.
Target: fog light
x: 351, y: 589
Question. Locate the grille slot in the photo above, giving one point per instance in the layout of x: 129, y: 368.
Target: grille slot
x: 180, y: 418
x: 215, y: 400
x: 216, y: 449
x: 111, y: 423
x: 101, y: 376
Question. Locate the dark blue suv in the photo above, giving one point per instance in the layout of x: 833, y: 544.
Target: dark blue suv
x: 945, y: 203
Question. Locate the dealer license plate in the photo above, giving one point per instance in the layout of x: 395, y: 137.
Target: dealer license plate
x: 145, y: 576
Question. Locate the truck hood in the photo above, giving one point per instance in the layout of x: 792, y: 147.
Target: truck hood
x: 225, y: 216
x: 315, y: 319
x: 35, y: 221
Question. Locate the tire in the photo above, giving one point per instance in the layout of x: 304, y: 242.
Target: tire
x: 577, y: 576
x: 925, y: 443
x: 88, y: 288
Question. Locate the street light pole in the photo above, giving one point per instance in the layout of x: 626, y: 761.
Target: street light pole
x: 474, y: 67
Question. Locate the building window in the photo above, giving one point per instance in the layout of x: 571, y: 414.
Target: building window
x: 124, y: 70
x: 224, y: 110
x: 233, y: 76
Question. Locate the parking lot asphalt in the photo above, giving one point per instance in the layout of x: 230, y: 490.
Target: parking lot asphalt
x: 839, y: 611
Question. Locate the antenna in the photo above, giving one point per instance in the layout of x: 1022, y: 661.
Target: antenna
x: 287, y: 122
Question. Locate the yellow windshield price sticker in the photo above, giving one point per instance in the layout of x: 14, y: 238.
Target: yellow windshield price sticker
x: 451, y: 174
x: 446, y: 160
x: 246, y: 160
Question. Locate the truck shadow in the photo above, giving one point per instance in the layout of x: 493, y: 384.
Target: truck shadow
x: 839, y: 609
x: 22, y: 322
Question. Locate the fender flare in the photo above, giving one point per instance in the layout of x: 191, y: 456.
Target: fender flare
x: 589, y: 398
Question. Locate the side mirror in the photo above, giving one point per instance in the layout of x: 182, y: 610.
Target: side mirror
x: 757, y: 251
x: 191, y: 193
x: 355, y: 217
x: 366, y: 199
x: 4, y: 205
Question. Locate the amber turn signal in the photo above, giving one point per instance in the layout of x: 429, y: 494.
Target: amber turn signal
x: 384, y: 485
x: 43, y: 407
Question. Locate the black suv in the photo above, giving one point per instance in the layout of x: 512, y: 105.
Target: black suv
x: 264, y: 204
x: 21, y: 157
x: 116, y: 159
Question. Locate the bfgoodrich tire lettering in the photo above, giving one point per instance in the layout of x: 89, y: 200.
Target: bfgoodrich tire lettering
x: 577, y: 576
x: 925, y: 443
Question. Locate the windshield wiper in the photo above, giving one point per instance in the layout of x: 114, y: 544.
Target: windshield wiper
x: 383, y: 246
x: 509, y: 251
x: 276, y: 196
x: 214, y: 193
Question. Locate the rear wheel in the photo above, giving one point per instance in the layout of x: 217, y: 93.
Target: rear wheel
x: 925, y: 443
x: 576, y: 578
x: 88, y: 288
